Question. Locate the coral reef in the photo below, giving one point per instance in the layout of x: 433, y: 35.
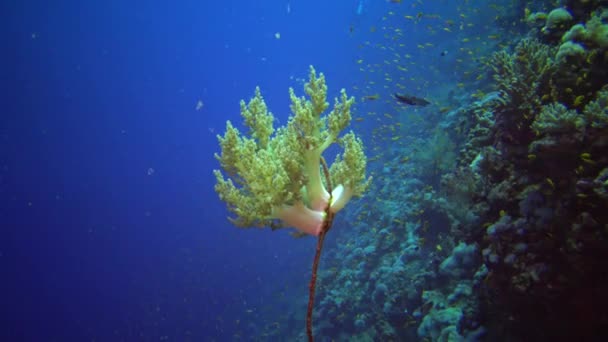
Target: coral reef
x: 545, y: 234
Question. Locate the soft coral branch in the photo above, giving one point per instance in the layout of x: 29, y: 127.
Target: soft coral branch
x: 301, y: 217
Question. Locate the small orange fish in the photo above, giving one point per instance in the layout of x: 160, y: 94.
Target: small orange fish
x: 371, y: 97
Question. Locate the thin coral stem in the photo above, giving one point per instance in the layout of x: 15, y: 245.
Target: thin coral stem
x: 329, y: 217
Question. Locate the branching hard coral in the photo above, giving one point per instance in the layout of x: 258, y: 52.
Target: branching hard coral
x: 275, y: 174
x: 556, y: 118
x: 524, y: 80
x: 596, y: 112
x: 523, y: 75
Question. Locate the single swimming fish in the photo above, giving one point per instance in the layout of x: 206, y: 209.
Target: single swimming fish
x: 411, y: 100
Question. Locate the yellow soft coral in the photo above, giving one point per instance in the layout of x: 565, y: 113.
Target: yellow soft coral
x: 275, y: 175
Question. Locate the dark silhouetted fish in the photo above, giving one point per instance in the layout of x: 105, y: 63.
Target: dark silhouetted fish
x: 412, y: 100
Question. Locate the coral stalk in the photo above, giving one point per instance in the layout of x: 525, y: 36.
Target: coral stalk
x: 327, y: 222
